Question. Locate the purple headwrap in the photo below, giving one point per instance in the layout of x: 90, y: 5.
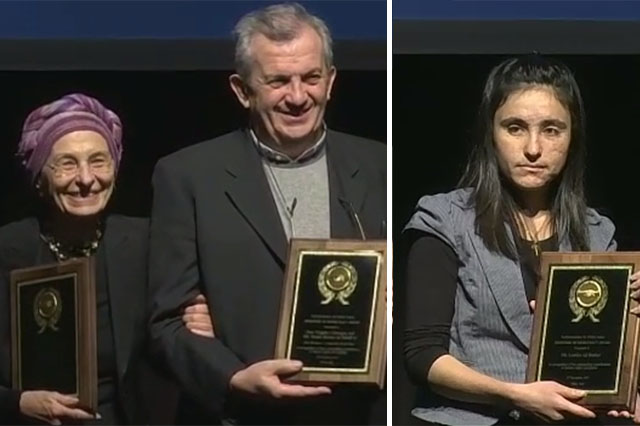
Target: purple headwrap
x: 44, y: 126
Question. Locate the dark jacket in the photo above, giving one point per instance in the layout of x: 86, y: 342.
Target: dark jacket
x: 216, y: 230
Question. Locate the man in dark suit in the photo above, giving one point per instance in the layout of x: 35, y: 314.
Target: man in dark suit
x: 223, y: 213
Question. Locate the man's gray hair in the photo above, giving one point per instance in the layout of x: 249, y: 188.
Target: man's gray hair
x: 279, y: 22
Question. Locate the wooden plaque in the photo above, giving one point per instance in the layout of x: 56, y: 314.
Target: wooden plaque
x: 53, y: 330
x: 333, y: 311
x: 584, y: 335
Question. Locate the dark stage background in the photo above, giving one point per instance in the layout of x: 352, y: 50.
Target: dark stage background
x: 161, y: 112
x: 435, y: 99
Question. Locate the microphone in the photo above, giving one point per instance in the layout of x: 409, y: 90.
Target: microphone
x: 354, y: 215
x: 291, y: 209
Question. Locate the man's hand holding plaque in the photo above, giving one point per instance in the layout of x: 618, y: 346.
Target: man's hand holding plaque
x: 333, y: 311
x: 264, y: 378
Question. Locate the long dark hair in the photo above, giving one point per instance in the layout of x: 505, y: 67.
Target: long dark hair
x: 493, y: 198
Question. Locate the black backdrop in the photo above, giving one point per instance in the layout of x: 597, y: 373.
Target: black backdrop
x: 435, y: 99
x: 161, y: 111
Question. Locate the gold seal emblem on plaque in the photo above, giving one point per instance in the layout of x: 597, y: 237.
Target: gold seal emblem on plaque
x: 337, y: 281
x: 47, y: 307
x: 587, y: 297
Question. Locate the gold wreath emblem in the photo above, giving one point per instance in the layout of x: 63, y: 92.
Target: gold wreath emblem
x: 587, y: 297
x: 337, y: 280
x: 47, y: 308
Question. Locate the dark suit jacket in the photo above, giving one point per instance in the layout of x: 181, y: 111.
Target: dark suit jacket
x: 215, y: 229
x: 126, y: 241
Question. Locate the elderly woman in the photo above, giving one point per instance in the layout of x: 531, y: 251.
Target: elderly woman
x: 473, y: 262
x: 71, y: 149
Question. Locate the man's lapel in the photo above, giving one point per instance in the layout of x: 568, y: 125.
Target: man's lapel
x: 249, y: 192
x: 347, y: 190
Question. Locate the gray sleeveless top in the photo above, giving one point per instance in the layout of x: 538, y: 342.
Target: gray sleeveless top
x: 491, y: 325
